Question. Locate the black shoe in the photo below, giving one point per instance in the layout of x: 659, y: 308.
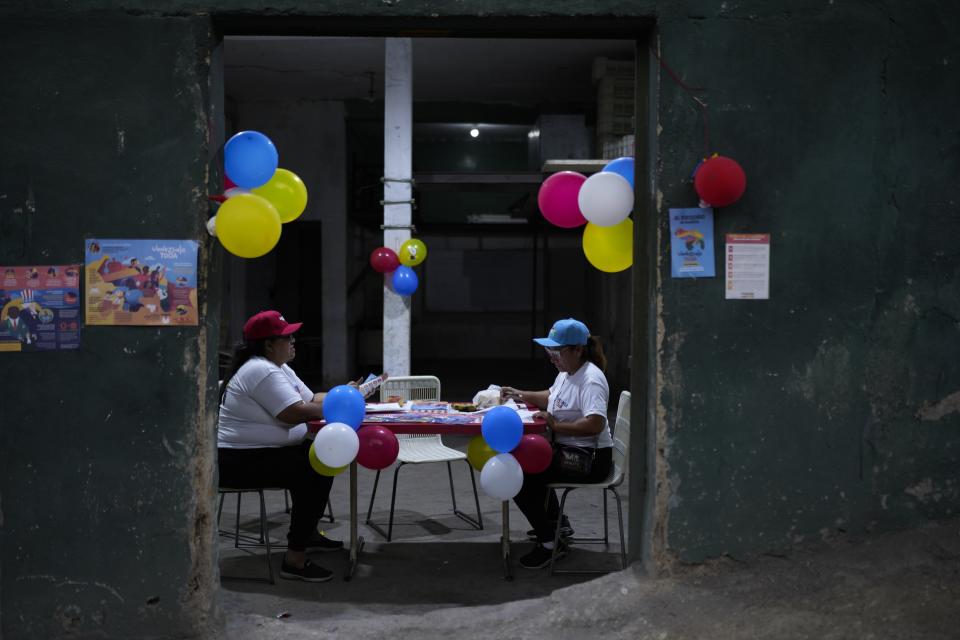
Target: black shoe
x: 320, y: 542
x: 309, y: 573
x: 539, y: 556
x: 566, y: 531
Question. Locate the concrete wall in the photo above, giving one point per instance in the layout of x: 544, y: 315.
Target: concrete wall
x: 106, y: 452
x: 831, y: 407
x: 805, y: 416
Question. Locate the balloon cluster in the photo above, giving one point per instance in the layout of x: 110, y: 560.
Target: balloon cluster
x: 603, y: 203
x: 258, y: 199
x: 396, y: 266
x: 502, y: 454
x: 339, y: 442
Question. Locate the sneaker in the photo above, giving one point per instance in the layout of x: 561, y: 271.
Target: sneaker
x: 320, y: 542
x: 309, y: 573
x: 539, y: 556
x: 566, y: 531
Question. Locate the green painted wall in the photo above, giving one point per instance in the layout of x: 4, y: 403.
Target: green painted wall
x: 833, y: 406
x: 106, y: 451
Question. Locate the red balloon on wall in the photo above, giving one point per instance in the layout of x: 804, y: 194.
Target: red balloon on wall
x: 720, y: 181
x: 533, y: 453
x: 384, y: 260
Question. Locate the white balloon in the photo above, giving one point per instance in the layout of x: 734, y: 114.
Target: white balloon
x: 605, y: 199
x: 212, y: 226
x: 235, y: 191
x: 501, y: 476
x: 336, y: 445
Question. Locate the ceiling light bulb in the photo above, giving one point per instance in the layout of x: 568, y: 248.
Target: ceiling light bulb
x: 474, y: 132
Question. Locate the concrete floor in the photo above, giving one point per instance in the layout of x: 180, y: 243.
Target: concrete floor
x: 439, y: 578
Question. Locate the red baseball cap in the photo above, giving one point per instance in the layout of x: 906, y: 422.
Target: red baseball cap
x: 268, y: 324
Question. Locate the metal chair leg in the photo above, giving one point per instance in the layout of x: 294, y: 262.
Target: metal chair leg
x: 623, y: 543
x: 393, y: 501
x: 476, y: 497
x: 236, y: 531
x: 556, y: 532
x: 265, y: 535
x: 606, y: 532
x: 453, y: 496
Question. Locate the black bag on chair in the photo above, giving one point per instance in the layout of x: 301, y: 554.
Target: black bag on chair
x: 574, y: 462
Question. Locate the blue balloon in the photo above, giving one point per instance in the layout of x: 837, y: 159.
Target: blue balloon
x: 502, y: 429
x: 622, y: 166
x: 344, y: 404
x: 404, y: 280
x: 250, y: 159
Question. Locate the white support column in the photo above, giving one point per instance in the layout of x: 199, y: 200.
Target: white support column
x: 397, y: 165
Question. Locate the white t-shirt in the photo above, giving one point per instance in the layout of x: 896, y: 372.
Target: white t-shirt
x: 256, y: 393
x: 574, y: 396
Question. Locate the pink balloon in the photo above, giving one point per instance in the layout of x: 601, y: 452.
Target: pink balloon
x: 533, y: 453
x: 558, y: 199
x: 378, y: 447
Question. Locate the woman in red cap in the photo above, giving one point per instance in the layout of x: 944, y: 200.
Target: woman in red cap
x: 261, y: 436
x: 575, y: 409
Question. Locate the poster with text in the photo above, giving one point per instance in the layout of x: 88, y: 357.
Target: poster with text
x: 141, y: 282
x: 691, y: 243
x: 748, y: 266
x: 40, y: 308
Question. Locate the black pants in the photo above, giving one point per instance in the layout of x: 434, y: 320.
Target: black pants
x: 281, y: 467
x: 541, y: 506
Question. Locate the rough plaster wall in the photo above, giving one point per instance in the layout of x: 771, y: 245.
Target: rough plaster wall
x: 828, y: 408
x: 107, y: 450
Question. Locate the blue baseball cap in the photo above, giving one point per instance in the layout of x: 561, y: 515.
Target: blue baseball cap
x: 565, y: 332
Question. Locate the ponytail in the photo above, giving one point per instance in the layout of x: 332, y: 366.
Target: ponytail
x: 241, y: 353
x: 594, y: 353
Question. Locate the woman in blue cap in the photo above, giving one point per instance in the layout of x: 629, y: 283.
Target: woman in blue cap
x: 575, y: 409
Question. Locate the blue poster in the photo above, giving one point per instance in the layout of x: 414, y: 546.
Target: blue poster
x: 691, y: 243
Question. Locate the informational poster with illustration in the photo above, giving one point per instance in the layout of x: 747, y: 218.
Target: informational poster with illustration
x: 141, y: 282
x: 691, y: 243
x: 40, y: 308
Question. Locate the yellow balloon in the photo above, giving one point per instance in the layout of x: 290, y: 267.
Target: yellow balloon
x: 609, y: 249
x: 323, y: 469
x: 248, y: 225
x: 478, y: 452
x: 285, y: 191
x: 412, y: 252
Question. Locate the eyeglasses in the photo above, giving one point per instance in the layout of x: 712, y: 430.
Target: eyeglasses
x: 555, y: 351
x: 288, y: 338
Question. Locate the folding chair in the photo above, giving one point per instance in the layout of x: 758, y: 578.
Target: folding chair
x: 621, y: 456
x: 420, y: 449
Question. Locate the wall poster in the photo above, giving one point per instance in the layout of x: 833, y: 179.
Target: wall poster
x: 748, y: 266
x: 40, y: 308
x: 141, y: 282
x: 691, y: 243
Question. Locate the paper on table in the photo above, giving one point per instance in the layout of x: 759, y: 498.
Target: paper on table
x: 384, y: 407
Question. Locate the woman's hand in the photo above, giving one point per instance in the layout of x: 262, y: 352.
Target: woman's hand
x: 548, y: 418
x: 506, y: 393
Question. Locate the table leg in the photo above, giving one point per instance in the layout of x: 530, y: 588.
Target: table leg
x: 505, y: 542
x: 356, y: 541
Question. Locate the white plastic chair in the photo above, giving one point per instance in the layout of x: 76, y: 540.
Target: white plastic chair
x: 420, y: 449
x: 618, y: 473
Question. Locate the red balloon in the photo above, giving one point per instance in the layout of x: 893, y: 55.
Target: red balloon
x: 533, y: 453
x: 228, y: 183
x: 384, y: 260
x: 378, y: 447
x: 557, y: 199
x: 720, y: 181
